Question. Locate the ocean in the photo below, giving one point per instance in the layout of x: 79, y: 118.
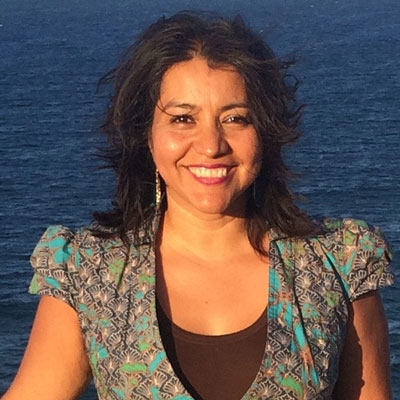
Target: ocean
x: 52, y: 54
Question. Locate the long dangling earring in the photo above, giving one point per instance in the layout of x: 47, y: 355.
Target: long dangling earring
x: 158, y: 190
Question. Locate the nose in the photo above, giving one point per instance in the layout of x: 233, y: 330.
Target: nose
x: 211, y: 141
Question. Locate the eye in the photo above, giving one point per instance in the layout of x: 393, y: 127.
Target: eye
x: 182, y: 119
x: 238, y: 119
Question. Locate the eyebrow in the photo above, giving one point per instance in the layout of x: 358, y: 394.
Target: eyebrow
x: 191, y: 107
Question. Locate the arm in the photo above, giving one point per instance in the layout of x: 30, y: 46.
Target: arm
x: 55, y: 365
x: 364, y: 371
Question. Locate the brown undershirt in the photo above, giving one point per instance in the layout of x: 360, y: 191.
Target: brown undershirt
x: 214, y: 367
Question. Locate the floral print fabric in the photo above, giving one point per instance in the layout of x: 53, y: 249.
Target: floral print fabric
x: 312, y: 280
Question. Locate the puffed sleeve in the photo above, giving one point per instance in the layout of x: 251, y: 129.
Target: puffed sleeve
x: 55, y: 263
x: 363, y: 257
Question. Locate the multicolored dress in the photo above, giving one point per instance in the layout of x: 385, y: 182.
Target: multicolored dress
x: 113, y: 291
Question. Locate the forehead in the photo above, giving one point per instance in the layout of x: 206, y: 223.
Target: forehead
x: 196, y: 79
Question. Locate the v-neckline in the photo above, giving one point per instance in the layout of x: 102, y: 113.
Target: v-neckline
x: 263, y: 370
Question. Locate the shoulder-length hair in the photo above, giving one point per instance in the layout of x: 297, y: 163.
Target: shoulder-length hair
x: 136, y: 89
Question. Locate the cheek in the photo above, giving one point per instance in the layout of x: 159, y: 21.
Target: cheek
x: 167, y: 149
x: 252, y: 152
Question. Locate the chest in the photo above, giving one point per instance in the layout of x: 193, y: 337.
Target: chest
x: 306, y: 322
x: 212, y: 298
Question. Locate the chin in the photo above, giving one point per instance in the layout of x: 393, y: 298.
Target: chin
x: 218, y: 207
x: 206, y: 204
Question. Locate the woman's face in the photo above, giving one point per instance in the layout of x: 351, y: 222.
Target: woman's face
x: 202, y: 141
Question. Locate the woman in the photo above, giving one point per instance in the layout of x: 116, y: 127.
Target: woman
x: 206, y: 281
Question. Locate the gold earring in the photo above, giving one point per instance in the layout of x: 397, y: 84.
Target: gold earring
x: 158, y: 190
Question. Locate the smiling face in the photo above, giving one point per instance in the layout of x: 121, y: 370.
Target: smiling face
x: 202, y: 141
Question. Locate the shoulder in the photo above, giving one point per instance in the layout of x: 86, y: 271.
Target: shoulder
x: 349, y: 238
x: 89, y: 247
x: 60, y: 239
x: 357, y: 252
x: 68, y: 262
x: 345, y: 251
x: 352, y: 232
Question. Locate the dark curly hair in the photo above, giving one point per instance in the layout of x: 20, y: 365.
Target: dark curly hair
x: 273, y: 111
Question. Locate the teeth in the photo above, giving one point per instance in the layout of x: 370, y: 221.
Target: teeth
x: 209, y: 172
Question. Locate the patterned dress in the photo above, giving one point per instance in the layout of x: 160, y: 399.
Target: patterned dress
x: 312, y: 280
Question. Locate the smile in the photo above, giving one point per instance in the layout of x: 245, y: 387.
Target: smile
x: 204, y: 172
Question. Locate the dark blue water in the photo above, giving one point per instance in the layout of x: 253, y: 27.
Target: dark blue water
x: 52, y: 54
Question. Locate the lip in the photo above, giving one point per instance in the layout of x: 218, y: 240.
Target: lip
x: 211, y: 180
x: 210, y: 166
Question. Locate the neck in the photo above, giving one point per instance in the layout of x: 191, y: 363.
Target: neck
x: 205, y: 236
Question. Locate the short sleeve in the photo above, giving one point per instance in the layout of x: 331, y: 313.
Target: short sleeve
x: 364, y: 258
x: 55, y: 269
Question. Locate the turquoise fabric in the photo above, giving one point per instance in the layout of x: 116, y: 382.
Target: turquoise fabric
x: 312, y: 281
